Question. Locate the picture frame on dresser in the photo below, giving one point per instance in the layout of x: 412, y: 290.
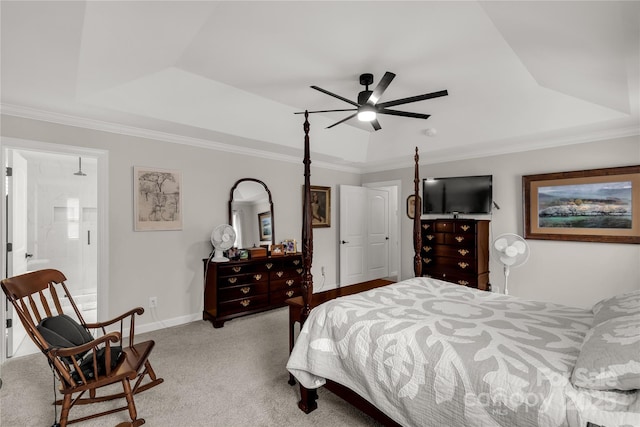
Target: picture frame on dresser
x: 596, y: 205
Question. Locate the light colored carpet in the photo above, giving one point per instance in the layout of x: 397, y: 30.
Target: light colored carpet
x: 233, y: 376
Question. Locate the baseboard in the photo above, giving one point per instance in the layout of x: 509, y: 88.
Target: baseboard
x: 162, y: 324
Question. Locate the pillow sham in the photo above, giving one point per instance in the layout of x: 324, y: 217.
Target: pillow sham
x: 619, y: 305
x: 610, y: 356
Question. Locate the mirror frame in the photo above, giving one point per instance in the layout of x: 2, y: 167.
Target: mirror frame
x: 273, y: 233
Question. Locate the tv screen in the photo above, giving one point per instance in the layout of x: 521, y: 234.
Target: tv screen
x: 464, y: 194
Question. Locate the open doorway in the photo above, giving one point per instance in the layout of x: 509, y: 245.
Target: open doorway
x: 53, y: 206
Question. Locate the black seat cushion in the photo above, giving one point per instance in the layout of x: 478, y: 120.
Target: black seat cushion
x: 63, y: 331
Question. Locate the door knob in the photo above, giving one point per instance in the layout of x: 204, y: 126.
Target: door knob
x: 344, y: 241
x: 26, y: 255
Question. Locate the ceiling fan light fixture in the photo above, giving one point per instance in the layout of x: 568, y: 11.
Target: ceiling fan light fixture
x: 366, y: 113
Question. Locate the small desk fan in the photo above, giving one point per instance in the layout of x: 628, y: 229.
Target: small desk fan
x: 512, y: 251
x: 222, y: 238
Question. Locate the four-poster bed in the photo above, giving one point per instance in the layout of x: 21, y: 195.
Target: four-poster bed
x: 426, y: 352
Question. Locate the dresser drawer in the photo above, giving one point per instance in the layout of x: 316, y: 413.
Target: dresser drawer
x: 460, y: 252
x: 280, y: 296
x: 464, y: 227
x: 453, y: 277
x: 286, y: 283
x: 281, y: 273
x: 459, y: 239
x: 243, y: 291
x: 229, y: 269
x: 244, y: 304
x: 243, y: 279
x: 444, y: 226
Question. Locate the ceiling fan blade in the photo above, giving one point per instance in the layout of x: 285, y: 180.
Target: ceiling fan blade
x: 403, y: 113
x: 325, y: 111
x: 375, y: 124
x: 343, y: 120
x: 355, y: 104
x: 379, y: 90
x: 413, y: 99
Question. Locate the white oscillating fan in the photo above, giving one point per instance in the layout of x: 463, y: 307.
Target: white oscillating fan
x: 222, y: 238
x: 511, y: 251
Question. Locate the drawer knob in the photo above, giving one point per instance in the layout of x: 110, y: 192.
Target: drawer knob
x: 245, y: 290
x: 426, y: 248
x: 426, y: 260
x: 463, y: 282
x: 426, y: 226
x: 237, y: 269
x: 290, y: 293
x: 269, y: 265
x: 459, y: 239
x: 296, y: 261
x: 279, y: 273
x: 257, y: 276
x: 465, y: 227
x: 463, y: 252
x: 245, y: 302
x: 233, y: 279
x: 463, y: 264
x: 430, y: 237
x: 290, y: 282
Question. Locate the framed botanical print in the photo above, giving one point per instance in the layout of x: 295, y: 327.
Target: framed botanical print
x: 157, y: 199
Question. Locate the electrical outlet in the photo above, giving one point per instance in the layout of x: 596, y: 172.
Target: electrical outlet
x: 153, y: 302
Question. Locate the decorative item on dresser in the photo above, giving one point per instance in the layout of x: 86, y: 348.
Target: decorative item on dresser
x: 457, y: 251
x: 238, y: 288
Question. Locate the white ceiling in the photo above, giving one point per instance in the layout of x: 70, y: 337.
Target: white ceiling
x: 520, y: 75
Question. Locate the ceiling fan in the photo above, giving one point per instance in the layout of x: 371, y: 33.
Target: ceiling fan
x: 367, y: 107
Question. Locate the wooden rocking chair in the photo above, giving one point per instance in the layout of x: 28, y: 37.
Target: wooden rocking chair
x: 89, y: 363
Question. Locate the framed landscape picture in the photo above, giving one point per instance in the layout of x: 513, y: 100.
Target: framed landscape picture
x: 597, y: 205
x: 264, y: 225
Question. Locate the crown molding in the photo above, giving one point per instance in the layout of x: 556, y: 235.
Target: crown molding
x: 103, y: 126
x: 507, y: 146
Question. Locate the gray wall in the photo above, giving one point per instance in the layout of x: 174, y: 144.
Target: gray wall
x: 168, y: 264
x: 572, y: 273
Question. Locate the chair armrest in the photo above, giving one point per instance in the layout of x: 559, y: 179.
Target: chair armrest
x: 138, y: 310
x: 74, y: 351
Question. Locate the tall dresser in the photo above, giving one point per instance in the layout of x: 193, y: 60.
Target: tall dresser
x: 457, y: 251
x: 238, y: 288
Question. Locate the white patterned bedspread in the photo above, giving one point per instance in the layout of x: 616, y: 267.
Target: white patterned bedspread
x: 430, y: 353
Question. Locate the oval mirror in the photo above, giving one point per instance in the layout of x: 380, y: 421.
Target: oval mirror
x: 251, y: 213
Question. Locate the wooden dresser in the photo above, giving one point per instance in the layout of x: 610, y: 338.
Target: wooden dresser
x: 456, y: 250
x: 238, y: 288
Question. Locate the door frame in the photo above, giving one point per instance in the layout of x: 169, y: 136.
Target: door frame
x: 102, y: 157
x: 398, y: 211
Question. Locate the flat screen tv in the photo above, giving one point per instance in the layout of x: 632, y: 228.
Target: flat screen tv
x: 463, y: 194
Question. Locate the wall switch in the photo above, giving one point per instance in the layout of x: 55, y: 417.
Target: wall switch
x: 153, y: 302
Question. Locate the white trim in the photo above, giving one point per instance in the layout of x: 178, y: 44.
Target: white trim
x: 82, y: 122
x: 102, y: 157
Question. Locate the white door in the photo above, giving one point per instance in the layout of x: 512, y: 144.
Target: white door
x: 377, y: 253
x: 17, y: 236
x: 353, y: 237
x: 52, y: 224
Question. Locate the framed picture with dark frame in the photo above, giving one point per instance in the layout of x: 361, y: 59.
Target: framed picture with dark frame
x: 264, y: 225
x: 597, y: 205
x: 320, y: 206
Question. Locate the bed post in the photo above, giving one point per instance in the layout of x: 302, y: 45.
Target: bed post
x: 307, y: 230
x: 308, y: 397
x: 417, y: 235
